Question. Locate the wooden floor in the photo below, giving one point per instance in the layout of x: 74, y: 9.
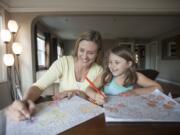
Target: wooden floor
x: 174, y: 89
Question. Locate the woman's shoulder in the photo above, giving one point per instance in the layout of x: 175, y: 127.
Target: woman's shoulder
x: 64, y: 59
x: 95, y: 65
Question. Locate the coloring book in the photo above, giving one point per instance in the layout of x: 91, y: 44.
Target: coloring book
x: 155, y: 106
x: 55, y: 117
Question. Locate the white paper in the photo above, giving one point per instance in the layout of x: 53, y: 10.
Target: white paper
x: 148, y: 107
x: 55, y: 117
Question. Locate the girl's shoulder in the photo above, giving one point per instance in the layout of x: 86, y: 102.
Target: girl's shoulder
x: 140, y: 75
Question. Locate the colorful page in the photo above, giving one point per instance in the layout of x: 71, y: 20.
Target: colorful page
x: 55, y: 117
x: 155, y: 106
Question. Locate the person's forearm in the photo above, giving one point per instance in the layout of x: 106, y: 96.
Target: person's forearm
x: 32, y: 94
x: 147, y: 89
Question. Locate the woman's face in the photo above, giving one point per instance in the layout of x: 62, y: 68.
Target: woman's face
x: 118, y: 65
x: 87, y: 52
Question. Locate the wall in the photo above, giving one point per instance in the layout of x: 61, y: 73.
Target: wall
x: 169, y: 69
x: 68, y: 46
x: 5, y: 95
x: 107, y: 7
x: 24, y: 37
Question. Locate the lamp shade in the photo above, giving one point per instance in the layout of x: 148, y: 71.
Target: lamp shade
x: 17, y: 48
x: 5, y: 35
x: 12, y: 26
x: 8, y: 59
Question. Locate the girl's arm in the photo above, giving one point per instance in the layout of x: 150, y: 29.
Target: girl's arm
x: 146, y: 85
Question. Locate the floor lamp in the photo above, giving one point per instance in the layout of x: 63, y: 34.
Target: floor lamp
x: 11, y: 58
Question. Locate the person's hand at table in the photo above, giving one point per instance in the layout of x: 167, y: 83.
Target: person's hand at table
x: 20, y: 110
x: 68, y: 94
x: 98, y: 99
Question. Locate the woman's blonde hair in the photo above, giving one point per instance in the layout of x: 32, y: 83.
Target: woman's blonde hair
x: 93, y: 36
x: 125, y: 53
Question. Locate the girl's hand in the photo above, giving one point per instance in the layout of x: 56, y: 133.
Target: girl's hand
x: 20, y: 110
x: 99, y: 99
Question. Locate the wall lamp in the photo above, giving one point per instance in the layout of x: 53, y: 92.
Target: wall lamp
x: 11, y: 58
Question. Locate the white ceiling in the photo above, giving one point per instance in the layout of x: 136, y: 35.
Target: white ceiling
x: 124, y: 18
x: 112, y: 26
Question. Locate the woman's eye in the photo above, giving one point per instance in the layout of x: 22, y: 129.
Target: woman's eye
x: 81, y: 50
x: 92, y: 53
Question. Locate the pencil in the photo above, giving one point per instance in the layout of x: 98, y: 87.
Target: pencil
x: 95, y: 88
x: 25, y: 102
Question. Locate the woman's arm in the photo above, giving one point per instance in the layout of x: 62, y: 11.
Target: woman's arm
x: 146, y: 85
x: 33, y: 93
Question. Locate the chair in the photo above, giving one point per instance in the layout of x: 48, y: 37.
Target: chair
x: 150, y: 73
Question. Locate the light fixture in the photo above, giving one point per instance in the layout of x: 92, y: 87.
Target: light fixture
x: 12, y: 26
x: 8, y: 59
x: 17, y: 48
x: 12, y: 59
x: 6, y: 36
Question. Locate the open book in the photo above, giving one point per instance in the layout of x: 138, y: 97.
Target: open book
x: 55, y: 117
x: 155, y: 106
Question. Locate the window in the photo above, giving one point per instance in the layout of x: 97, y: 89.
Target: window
x: 60, y: 50
x: 41, y: 51
x: 42, y: 45
x: 2, y: 50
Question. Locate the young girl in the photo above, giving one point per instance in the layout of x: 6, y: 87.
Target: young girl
x: 120, y: 74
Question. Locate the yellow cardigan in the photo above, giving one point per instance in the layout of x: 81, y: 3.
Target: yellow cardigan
x: 63, y: 70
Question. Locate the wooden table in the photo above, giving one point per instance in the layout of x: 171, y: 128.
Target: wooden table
x: 98, y: 126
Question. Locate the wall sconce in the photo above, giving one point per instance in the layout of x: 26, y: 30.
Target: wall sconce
x: 11, y: 60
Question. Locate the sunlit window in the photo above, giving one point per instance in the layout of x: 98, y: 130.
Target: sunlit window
x: 41, y: 52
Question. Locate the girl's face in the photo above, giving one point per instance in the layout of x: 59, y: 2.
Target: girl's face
x: 87, y: 52
x: 118, y: 65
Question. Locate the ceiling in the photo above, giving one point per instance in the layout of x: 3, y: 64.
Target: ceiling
x: 113, y: 18
x: 112, y: 26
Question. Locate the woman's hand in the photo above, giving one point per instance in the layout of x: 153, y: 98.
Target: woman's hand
x: 68, y: 94
x: 20, y: 110
x: 64, y: 94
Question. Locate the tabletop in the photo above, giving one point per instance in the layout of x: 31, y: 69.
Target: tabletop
x: 98, y: 126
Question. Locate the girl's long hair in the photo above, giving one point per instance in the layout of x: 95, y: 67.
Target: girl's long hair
x: 130, y: 74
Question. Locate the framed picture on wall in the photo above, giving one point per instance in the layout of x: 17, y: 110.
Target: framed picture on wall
x: 171, y: 48
x: 126, y: 44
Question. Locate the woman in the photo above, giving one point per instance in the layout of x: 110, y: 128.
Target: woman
x: 71, y: 71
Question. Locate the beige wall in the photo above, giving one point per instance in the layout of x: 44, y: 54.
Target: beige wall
x: 169, y: 69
